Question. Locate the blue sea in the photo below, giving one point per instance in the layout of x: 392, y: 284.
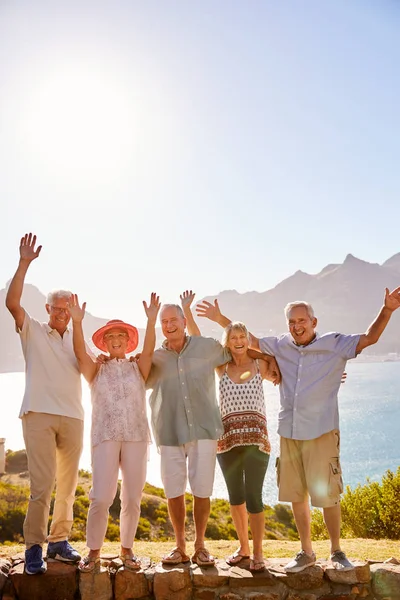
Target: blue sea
x: 369, y: 404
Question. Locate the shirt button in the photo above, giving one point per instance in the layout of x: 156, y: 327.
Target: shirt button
x: 183, y: 383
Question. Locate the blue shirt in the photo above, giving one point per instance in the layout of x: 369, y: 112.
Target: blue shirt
x: 311, y: 378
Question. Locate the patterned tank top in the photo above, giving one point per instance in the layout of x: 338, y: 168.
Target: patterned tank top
x: 242, y: 407
x: 119, y: 404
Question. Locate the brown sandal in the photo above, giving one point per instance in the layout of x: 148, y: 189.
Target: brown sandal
x: 88, y: 565
x: 257, y: 566
x: 130, y: 562
x: 236, y: 558
x: 175, y: 557
x: 203, y: 558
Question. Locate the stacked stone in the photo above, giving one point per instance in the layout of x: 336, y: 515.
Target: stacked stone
x: 376, y: 581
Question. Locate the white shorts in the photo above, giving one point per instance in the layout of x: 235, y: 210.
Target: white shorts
x: 200, y: 469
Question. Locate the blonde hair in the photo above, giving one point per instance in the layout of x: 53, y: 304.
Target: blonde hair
x: 299, y: 303
x: 234, y: 326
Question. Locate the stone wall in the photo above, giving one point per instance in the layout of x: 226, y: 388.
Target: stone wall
x: 376, y: 581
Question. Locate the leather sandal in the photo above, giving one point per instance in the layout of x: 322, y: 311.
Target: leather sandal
x: 203, y: 558
x: 175, y: 557
x: 88, y: 565
x: 257, y: 566
x: 130, y: 562
x: 236, y: 558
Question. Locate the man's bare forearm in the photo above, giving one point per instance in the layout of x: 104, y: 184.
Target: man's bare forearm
x: 14, y: 293
x: 375, y: 330
x: 192, y: 327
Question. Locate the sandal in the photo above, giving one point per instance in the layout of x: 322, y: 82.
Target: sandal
x: 88, y: 565
x: 130, y: 562
x: 257, y: 566
x: 175, y: 557
x: 236, y: 558
x: 203, y: 558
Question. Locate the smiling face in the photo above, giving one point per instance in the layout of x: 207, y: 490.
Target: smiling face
x: 172, y: 324
x: 116, y: 341
x: 237, y: 342
x: 59, y: 316
x: 301, y: 325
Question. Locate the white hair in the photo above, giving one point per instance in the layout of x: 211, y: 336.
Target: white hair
x: 56, y: 294
x: 299, y: 303
x: 178, y: 308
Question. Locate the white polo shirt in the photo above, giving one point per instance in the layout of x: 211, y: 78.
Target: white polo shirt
x: 53, y: 381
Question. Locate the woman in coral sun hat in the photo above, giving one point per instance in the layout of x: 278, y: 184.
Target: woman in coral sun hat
x: 120, y: 433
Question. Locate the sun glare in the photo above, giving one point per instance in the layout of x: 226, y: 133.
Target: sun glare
x: 81, y: 120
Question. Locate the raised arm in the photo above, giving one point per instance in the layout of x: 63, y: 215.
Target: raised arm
x: 27, y: 254
x: 377, y: 327
x: 145, y: 358
x: 213, y: 312
x: 268, y: 368
x: 87, y: 367
x: 186, y: 301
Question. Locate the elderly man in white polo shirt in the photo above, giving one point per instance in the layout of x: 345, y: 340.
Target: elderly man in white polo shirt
x: 309, y: 463
x: 52, y: 417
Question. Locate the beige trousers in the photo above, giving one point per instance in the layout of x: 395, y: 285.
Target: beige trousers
x: 53, y: 446
x: 107, y: 458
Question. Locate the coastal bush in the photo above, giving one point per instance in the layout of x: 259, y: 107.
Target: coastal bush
x: 369, y: 511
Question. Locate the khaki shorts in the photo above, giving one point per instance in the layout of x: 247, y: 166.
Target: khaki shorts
x: 310, y: 467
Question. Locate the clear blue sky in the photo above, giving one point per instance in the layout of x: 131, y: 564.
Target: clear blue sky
x: 165, y: 145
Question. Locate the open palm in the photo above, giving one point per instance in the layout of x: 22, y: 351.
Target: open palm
x: 27, y: 247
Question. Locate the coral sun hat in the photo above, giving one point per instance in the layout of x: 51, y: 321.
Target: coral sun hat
x: 98, y: 335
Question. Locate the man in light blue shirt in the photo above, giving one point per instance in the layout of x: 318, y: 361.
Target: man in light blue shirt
x: 311, y: 368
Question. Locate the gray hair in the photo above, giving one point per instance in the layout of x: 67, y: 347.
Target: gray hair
x: 178, y: 308
x: 56, y: 294
x: 299, y: 303
x: 234, y: 326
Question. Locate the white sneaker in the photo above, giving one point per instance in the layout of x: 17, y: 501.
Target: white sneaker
x: 300, y: 562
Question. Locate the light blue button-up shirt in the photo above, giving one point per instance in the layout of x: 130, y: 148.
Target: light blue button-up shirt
x: 311, y: 378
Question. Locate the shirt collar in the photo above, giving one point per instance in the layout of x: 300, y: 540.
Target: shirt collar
x: 50, y: 329
x: 306, y: 345
x: 187, y: 340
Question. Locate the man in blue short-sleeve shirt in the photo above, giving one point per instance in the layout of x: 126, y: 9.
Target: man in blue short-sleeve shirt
x: 309, y: 464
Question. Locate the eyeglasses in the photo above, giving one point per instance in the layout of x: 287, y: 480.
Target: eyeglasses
x: 115, y: 336
x: 59, y: 310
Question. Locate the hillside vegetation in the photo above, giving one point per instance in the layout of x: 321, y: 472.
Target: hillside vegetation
x: 369, y: 511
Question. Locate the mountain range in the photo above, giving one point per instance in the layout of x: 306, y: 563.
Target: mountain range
x: 346, y: 297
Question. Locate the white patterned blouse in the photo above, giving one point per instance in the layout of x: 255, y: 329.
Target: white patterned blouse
x: 119, y: 404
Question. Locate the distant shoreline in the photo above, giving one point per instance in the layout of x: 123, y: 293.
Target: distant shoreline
x: 366, y: 358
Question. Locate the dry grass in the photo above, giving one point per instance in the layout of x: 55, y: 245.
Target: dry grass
x: 357, y: 549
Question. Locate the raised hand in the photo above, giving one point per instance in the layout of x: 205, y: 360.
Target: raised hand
x: 152, y: 309
x: 77, y: 313
x: 27, y: 248
x: 392, y: 299
x: 211, y: 311
x: 186, y: 299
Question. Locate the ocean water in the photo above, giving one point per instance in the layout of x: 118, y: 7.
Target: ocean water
x: 369, y: 405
